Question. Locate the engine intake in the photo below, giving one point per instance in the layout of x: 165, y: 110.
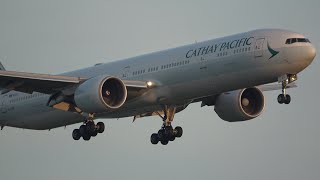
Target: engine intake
x: 100, y: 94
x: 240, y: 105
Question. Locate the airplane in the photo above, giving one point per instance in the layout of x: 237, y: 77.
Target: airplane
x: 229, y: 73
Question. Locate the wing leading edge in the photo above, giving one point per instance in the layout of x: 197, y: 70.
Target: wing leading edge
x: 32, y: 82
x: 48, y: 84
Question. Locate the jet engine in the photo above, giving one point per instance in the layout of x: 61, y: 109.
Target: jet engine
x: 240, y: 105
x: 100, y: 94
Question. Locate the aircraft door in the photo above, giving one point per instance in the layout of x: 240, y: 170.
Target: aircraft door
x: 3, y: 108
x: 125, y: 72
x: 258, y: 48
x: 203, y: 63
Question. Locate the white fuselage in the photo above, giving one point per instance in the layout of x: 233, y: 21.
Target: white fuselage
x: 182, y: 75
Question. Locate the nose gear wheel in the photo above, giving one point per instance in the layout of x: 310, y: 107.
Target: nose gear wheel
x: 285, y: 98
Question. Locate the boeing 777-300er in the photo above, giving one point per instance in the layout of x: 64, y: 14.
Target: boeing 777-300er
x: 229, y: 73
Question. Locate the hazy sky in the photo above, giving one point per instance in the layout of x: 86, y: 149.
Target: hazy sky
x: 57, y: 36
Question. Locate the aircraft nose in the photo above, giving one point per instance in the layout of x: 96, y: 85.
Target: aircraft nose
x: 311, y: 52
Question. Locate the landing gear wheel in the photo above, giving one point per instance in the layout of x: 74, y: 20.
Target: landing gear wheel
x: 164, y: 142
x: 168, y: 131
x: 86, y: 137
x: 101, y: 127
x: 172, y: 138
x: 179, y: 131
x: 281, y: 98
x: 287, y: 99
x: 83, y: 129
x: 286, y: 79
x: 161, y: 134
x: 76, y: 135
x: 284, y: 99
x: 154, y: 138
x: 94, y: 134
x: 88, y: 129
x: 91, y: 127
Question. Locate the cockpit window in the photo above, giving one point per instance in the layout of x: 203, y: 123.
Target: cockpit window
x: 288, y: 41
x: 294, y: 40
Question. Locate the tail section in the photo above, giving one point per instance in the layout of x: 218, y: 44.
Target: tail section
x: 2, y: 69
x: 1, y: 66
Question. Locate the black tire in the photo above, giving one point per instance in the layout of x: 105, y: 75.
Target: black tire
x: 76, y: 135
x: 288, y: 99
x: 94, y: 134
x: 154, y: 138
x: 101, y: 127
x: 172, y: 138
x: 83, y: 129
x: 161, y: 134
x: 86, y: 137
x: 91, y: 127
x: 281, y: 99
x: 178, y: 131
x: 164, y: 142
x: 169, y: 131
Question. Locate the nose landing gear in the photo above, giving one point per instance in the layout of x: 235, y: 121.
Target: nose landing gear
x: 285, y: 98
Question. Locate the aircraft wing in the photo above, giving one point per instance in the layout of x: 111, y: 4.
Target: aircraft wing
x: 47, y: 84
x: 32, y: 82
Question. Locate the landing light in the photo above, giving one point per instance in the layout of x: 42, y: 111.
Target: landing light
x: 293, y: 78
x: 149, y: 84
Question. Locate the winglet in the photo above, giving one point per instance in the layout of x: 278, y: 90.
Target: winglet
x: 2, y: 90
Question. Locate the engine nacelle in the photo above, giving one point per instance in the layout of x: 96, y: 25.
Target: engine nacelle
x: 240, y: 105
x: 100, y: 94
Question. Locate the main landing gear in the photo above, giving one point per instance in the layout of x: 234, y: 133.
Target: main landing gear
x: 167, y: 132
x: 285, y: 98
x: 87, y: 130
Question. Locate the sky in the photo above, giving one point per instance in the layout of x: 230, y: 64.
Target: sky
x: 53, y: 37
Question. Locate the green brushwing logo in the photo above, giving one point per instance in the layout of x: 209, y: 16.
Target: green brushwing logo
x: 272, y: 51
